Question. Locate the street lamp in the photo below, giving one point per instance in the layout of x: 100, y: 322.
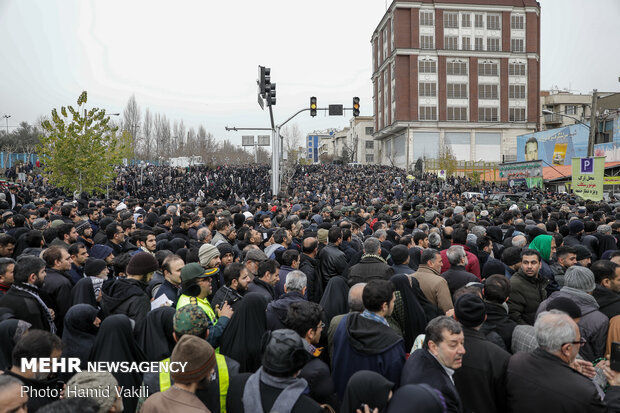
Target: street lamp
x: 7, y: 123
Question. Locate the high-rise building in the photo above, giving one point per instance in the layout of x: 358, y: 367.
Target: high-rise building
x: 454, y: 75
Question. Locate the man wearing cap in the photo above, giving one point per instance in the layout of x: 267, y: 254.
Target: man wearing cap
x: 481, y: 379
x: 253, y: 258
x: 576, y: 229
x: 181, y: 396
x: 579, y: 284
x: 128, y: 295
x: 283, y: 358
x: 209, y: 257
x: 197, y: 286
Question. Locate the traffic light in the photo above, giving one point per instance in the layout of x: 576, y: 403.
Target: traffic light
x: 313, y: 106
x: 271, y: 96
x: 356, y: 106
x: 265, y: 79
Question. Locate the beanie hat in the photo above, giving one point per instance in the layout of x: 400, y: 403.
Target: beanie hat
x: 39, y: 224
x: 579, y: 278
x: 100, y: 251
x: 582, y: 252
x: 206, y: 253
x: 81, y: 226
x: 190, y: 319
x: 141, y: 264
x: 199, y: 356
x: 575, y: 226
x: 458, y: 209
x: 90, y: 380
x: 93, y: 267
x: 566, y: 305
x: 284, y: 352
x: 225, y: 248
x: 469, y: 310
x: 399, y: 254
x: 56, y: 223
x: 322, y: 235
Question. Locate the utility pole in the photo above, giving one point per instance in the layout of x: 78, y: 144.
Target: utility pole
x: 7, y: 123
x: 593, y: 123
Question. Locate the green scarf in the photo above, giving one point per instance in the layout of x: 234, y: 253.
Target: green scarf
x: 542, y: 244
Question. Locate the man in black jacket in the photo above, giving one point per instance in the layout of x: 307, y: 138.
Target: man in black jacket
x: 607, y: 278
x: 127, y: 295
x: 481, y: 379
x: 550, y: 379
x: 496, y: 292
x: 267, y: 276
x: 333, y: 262
x: 236, y: 280
x: 58, y: 282
x: 23, y: 298
x: 372, y: 266
x: 309, y: 265
x: 294, y: 291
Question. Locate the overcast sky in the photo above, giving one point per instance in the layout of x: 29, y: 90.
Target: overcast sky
x: 196, y: 60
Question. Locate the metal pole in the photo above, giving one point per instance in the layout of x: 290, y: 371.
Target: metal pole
x: 593, y: 123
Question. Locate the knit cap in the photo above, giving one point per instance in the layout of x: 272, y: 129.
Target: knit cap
x: 94, y: 382
x: 566, y: 305
x: 575, y: 226
x: 579, y: 278
x: 100, y: 251
x: 199, y: 356
x: 141, y: 264
x: 469, y: 310
x: 39, y: 224
x: 190, y: 319
x: 322, y: 235
x: 582, y: 252
x: 81, y: 226
x: 206, y: 253
x: 93, y: 267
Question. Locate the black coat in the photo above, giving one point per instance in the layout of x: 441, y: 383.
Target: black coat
x: 499, y: 322
x: 277, y: 310
x: 25, y: 307
x: 369, y: 268
x: 310, y: 267
x: 423, y: 368
x: 58, y: 285
x: 322, y: 387
x: 457, y: 277
x: 126, y: 296
x: 540, y: 382
x: 608, y: 301
x: 481, y: 381
x: 261, y: 287
x: 332, y: 262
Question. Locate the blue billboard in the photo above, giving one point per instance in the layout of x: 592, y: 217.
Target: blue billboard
x: 312, y: 148
x: 555, y: 146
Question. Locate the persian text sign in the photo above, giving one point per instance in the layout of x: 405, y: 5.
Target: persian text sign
x: 588, y: 177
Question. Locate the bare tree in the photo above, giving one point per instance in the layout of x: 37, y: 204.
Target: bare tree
x: 292, y: 137
x: 147, y: 135
x: 131, y: 121
x: 181, y: 137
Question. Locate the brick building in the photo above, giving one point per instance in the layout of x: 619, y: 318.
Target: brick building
x: 455, y: 74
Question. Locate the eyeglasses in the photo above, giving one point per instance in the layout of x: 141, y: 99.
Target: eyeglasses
x: 582, y: 341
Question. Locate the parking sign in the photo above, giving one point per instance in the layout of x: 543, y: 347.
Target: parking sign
x: 587, y: 165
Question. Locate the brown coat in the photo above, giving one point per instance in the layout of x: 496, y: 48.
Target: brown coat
x: 174, y: 400
x: 434, y: 287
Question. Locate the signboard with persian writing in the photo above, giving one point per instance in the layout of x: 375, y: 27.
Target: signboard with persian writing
x: 588, y: 177
x: 522, y: 172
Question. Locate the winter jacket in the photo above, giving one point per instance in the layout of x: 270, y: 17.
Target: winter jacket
x: 481, y: 381
x: 458, y: 277
x: 26, y: 307
x: 499, y: 322
x: 261, y: 287
x: 332, y: 262
x: 371, y: 267
x: 526, y: 295
x: 608, y: 301
x: 58, y: 285
x: 279, y: 287
x: 225, y: 293
x: 434, y: 287
x: 277, y: 310
x: 310, y: 267
x: 593, y: 324
x: 364, y: 344
x: 126, y: 296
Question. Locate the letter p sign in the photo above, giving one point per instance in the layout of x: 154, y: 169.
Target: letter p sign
x: 587, y: 165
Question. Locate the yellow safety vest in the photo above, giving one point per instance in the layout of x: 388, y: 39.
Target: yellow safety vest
x: 200, y: 302
x: 222, y: 375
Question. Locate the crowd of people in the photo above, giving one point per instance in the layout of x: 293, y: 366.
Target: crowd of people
x: 357, y: 289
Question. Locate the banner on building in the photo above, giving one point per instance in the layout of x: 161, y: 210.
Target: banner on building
x: 611, y: 180
x: 518, y: 173
x: 588, y: 177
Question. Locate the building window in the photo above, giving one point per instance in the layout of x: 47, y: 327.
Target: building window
x: 457, y: 90
x: 493, y: 22
x: 487, y: 114
x: 466, y: 43
x: 479, y: 21
x: 479, y: 43
x: 451, y: 20
x: 466, y: 20
x: 385, y: 44
x: 570, y: 109
x: 516, y: 69
x: 370, y: 145
x: 427, y: 42
x: 516, y: 91
x: 428, y: 89
x: 516, y: 114
x: 370, y: 158
x: 487, y: 69
x: 457, y: 113
x: 487, y: 92
x: 428, y: 113
x: 517, y: 21
x: 428, y: 66
x: 451, y: 42
x: 516, y: 45
x: 427, y: 18
x: 369, y: 130
x: 457, y: 68
x: 492, y: 44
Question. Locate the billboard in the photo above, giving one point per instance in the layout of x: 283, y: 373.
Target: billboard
x: 517, y: 173
x: 555, y: 146
x: 588, y: 177
x: 312, y: 148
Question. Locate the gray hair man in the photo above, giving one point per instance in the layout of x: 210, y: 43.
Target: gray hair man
x: 457, y: 276
x: 294, y: 291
